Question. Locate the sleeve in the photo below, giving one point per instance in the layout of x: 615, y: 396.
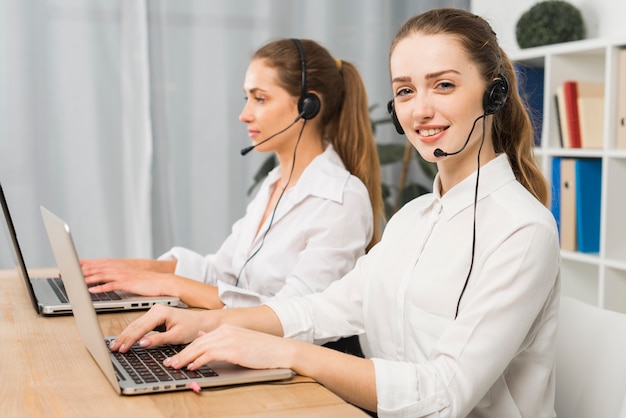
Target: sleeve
x: 322, y: 317
x: 335, y: 234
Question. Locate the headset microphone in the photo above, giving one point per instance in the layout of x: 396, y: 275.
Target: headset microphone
x: 441, y: 153
x: 247, y: 149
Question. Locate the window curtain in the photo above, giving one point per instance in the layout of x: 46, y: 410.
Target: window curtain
x: 122, y: 116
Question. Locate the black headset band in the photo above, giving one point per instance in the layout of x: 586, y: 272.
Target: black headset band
x: 302, y: 65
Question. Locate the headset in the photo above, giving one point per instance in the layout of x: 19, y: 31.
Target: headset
x: 494, y: 99
x: 308, y: 104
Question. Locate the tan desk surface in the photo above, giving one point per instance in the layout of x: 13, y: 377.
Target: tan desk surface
x: 46, y: 371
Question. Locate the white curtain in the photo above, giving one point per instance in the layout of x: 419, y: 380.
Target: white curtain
x: 121, y: 116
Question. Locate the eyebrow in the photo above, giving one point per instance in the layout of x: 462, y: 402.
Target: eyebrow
x: 254, y: 90
x: 440, y: 73
x: 428, y: 76
x: 401, y: 79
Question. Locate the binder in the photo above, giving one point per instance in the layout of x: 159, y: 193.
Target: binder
x: 621, y: 101
x: 591, y: 114
x: 588, y: 195
x: 555, y: 205
x: 568, y: 204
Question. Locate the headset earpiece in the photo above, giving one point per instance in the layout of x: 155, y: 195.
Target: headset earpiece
x: 394, y: 118
x: 495, y: 96
x: 309, y: 104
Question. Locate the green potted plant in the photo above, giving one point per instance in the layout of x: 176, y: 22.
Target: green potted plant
x: 549, y: 22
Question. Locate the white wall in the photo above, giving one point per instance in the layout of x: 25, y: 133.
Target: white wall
x: 603, y: 18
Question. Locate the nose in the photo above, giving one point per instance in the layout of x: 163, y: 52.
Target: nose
x: 422, y: 107
x: 246, y: 115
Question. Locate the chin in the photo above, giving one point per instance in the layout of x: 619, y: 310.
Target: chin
x: 426, y: 153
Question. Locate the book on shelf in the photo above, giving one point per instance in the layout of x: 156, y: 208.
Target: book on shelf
x: 530, y: 86
x: 580, y: 113
x: 562, y: 118
x: 570, y: 95
x: 591, y: 113
x: 621, y: 100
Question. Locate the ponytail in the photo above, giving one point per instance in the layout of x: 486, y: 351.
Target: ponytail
x: 353, y: 140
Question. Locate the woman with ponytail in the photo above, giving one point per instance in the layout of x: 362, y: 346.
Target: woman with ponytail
x: 317, y: 212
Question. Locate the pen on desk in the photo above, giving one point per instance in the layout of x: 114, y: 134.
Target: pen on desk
x: 195, y: 387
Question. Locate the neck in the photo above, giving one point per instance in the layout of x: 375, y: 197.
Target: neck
x: 308, y: 148
x: 453, y: 171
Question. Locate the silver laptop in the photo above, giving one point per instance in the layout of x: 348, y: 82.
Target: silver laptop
x: 120, y: 368
x: 48, y: 294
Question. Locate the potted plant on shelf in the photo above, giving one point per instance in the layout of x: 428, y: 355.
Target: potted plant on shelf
x: 549, y: 22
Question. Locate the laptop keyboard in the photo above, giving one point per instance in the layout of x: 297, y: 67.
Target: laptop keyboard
x: 59, y: 288
x: 145, y: 365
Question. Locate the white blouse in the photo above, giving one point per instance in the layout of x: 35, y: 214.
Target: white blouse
x: 496, y: 359
x: 322, y: 225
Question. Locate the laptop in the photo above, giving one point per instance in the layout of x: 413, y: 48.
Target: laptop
x: 48, y: 295
x: 120, y: 368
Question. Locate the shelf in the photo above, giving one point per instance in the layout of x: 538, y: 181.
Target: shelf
x: 598, y: 278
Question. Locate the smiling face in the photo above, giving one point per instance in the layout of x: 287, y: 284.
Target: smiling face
x: 438, y: 94
x: 269, y: 108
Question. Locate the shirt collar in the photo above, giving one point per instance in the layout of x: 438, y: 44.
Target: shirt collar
x: 493, y: 175
x: 324, y: 177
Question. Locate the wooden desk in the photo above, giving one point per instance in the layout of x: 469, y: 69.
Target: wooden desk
x: 46, y: 371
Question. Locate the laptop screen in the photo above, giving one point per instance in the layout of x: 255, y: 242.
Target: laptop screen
x: 15, y: 248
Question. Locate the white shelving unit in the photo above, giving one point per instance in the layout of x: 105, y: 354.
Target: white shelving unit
x: 599, y: 279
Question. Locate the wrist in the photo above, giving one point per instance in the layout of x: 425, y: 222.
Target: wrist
x: 170, y: 286
x: 211, y: 319
x: 164, y: 266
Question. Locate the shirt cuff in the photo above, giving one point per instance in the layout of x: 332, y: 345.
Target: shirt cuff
x: 295, y: 322
x: 236, y: 297
x: 398, y: 391
x: 189, y: 264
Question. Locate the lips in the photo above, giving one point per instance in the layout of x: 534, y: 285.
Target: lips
x: 429, y: 132
x: 429, y: 135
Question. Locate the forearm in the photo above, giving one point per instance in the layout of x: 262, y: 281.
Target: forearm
x: 160, y: 266
x: 259, y: 318
x: 350, y: 377
x: 195, y: 294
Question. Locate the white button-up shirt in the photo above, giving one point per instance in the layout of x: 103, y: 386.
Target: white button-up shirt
x: 496, y: 359
x: 321, y: 227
